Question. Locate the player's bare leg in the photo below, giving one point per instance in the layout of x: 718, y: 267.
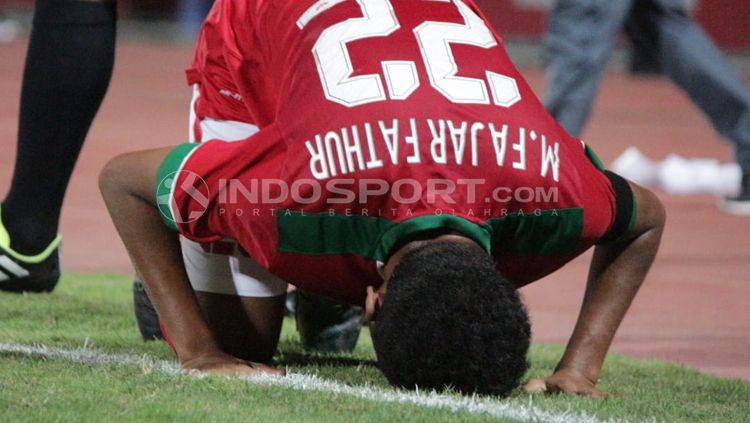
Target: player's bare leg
x: 245, y: 327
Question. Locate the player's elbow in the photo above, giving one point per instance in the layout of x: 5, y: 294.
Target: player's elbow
x: 661, y: 215
x: 656, y: 214
x: 650, y: 215
x: 113, y: 177
x: 651, y: 218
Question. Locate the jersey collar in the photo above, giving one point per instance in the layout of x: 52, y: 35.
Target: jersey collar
x: 388, y: 240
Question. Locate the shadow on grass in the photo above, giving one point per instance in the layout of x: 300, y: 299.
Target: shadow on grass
x: 303, y: 359
x: 291, y: 353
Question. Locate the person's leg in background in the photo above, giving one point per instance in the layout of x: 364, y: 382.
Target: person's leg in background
x: 68, y: 68
x: 579, y: 41
x: 190, y: 15
x: 644, y: 56
x: 695, y: 64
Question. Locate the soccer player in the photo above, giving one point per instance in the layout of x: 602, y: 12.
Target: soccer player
x: 218, y: 112
x: 68, y: 68
x: 403, y: 165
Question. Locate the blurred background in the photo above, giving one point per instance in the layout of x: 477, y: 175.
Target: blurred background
x: 520, y: 21
x: 170, y: 19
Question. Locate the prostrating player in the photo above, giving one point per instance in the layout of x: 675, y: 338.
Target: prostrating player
x: 218, y: 112
x: 406, y: 166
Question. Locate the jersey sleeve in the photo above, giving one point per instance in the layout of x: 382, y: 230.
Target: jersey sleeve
x: 625, y: 208
x: 616, y: 193
x: 181, y: 194
x: 218, y: 96
x: 605, y: 208
x: 193, y: 182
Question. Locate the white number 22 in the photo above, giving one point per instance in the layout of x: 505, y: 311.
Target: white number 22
x: 434, y: 38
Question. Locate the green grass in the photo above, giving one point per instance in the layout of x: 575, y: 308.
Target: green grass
x: 96, y: 310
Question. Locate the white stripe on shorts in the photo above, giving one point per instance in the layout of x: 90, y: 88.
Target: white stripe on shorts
x: 215, y: 129
x: 235, y: 274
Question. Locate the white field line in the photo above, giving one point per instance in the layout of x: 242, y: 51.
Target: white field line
x: 303, y: 382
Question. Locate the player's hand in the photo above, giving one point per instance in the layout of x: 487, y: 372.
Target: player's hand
x: 565, y: 381
x: 224, y: 364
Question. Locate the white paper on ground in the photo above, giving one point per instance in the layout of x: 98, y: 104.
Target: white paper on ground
x: 679, y: 175
x: 633, y: 165
x: 10, y: 31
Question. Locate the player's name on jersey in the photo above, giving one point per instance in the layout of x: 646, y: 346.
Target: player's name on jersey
x: 444, y: 142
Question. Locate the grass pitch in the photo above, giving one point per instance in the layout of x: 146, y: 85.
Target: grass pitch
x: 96, y: 311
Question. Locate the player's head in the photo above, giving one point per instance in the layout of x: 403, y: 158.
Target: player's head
x: 449, y: 319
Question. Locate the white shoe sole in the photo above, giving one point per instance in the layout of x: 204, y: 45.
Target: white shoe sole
x: 737, y: 208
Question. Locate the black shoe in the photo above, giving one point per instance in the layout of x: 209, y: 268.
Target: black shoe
x: 326, y: 325
x: 290, y: 305
x: 739, y: 205
x: 145, y: 313
x: 22, y: 273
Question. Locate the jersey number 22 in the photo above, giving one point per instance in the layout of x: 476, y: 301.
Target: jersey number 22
x: 434, y: 38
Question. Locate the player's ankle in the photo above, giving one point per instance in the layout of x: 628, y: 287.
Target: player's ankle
x: 26, y: 236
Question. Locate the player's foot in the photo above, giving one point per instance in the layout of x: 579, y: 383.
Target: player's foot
x: 739, y: 205
x: 145, y: 313
x: 290, y: 305
x: 326, y: 325
x: 28, y: 273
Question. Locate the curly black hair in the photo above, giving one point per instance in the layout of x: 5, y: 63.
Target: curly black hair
x: 450, y: 320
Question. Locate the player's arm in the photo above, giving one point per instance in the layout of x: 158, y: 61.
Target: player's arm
x: 127, y: 185
x: 617, y: 271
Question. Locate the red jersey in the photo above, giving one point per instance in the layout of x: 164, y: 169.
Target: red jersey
x: 379, y: 119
